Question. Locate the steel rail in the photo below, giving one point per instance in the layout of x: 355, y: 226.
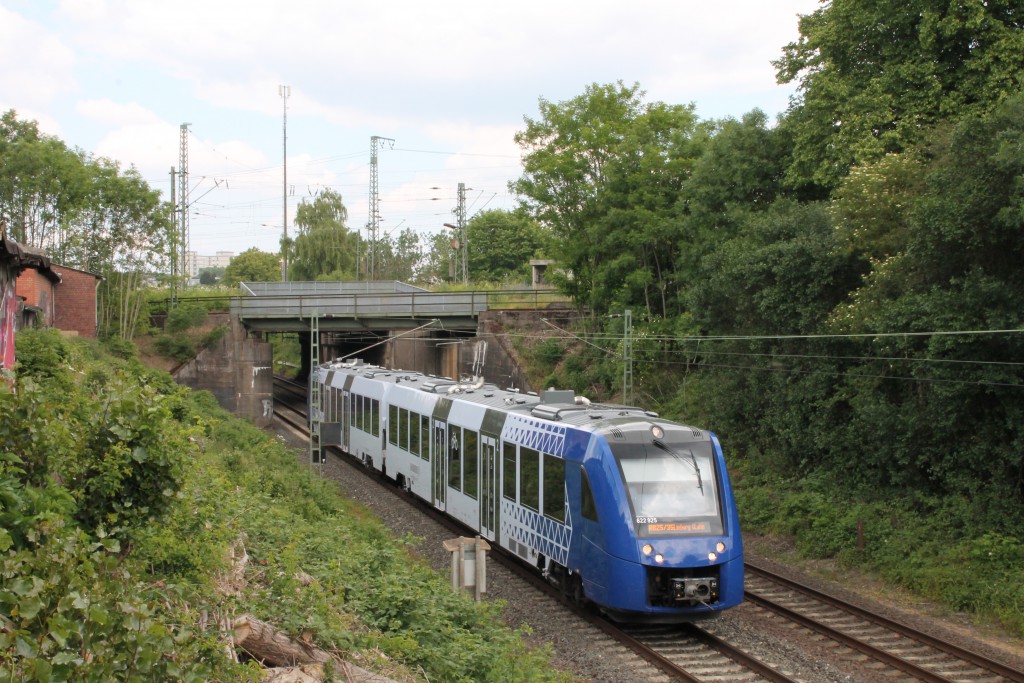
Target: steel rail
x: 958, y: 651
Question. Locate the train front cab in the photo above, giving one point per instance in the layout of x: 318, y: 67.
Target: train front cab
x: 665, y: 545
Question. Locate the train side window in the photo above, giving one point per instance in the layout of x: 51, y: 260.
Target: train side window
x: 508, y: 468
x: 454, y: 461
x: 554, y: 487
x: 393, y: 425
x: 469, y: 463
x: 425, y: 437
x: 357, y: 411
x: 588, y: 505
x: 374, y: 417
x: 529, y: 478
x: 403, y: 429
x: 414, y: 433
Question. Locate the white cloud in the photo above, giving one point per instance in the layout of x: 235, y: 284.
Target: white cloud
x: 454, y: 77
x: 37, y: 69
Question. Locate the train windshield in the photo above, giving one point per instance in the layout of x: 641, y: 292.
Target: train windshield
x: 672, y: 488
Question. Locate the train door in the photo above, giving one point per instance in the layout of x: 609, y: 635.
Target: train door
x: 488, y: 487
x: 439, y: 463
x: 346, y: 420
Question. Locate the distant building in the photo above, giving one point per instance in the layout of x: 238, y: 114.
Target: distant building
x: 197, y: 262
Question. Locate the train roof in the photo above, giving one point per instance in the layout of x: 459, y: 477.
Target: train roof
x: 558, y: 405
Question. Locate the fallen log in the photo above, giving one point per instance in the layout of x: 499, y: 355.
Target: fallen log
x: 272, y: 647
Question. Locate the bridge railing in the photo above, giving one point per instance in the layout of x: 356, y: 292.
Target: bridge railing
x: 416, y: 304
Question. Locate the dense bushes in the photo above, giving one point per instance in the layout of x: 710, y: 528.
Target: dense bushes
x: 89, y: 456
x: 121, y: 495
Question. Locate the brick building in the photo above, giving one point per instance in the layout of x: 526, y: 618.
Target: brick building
x: 36, y: 290
x: 76, y: 301
x: 60, y: 297
x: 14, y: 260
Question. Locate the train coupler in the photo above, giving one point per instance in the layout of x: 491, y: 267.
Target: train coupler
x: 695, y: 590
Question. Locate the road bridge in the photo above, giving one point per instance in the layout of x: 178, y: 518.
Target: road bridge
x: 385, y: 322
x: 360, y: 306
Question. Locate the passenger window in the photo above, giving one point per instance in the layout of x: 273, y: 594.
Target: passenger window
x: 425, y: 437
x: 454, y: 459
x: 414, y: 433
x: 403, y: 429
x: 469, y: 461
x: 374, y: 417
x: 554, y: 487
x: 588, y: 506
x: 393, y: 425
x: 508, y: 469
x: 529, y: 478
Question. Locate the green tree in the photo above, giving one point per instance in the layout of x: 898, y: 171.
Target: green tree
x: 86, y: 213
x: 603, y: 171
x: 210, y: 276
x: 956, y: 271
x: 501, y: 244
x: 323, y: 245
x: 437, y: 264
x: 253, y: 265
x: 42, y: 187
x: 873, y: 76
x: 398, y: 257
x: 121, y: 232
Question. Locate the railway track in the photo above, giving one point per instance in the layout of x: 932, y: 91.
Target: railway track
x: 919, y: 655
x: 694, y: 652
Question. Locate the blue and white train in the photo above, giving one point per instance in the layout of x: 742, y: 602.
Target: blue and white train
x: 613, y: 504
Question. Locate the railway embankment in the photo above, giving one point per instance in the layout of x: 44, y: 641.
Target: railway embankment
x: 141, y: 521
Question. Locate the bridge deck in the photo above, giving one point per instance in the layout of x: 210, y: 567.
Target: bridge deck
x: 341, y: 306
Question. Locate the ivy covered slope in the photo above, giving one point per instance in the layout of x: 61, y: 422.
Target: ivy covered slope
x: 123, y: 498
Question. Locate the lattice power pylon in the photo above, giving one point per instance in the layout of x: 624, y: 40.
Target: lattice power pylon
x: 184, y: 260
x: 373, y: 224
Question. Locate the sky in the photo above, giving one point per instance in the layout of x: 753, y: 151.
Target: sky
x: 445, y: 84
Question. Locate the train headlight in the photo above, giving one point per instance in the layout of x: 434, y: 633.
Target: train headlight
x: 658, y: 432
x: 647, y: 549
x: 659, y: 558
x: 712, y: 557
x: 720, y: 547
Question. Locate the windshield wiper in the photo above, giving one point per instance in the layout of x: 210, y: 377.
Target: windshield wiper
x: 693, y: 461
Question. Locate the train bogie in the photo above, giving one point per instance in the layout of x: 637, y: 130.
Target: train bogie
x: 619, y: 508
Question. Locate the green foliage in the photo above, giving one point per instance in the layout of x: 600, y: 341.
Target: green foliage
x: 918, y: 543
x: 323, y: 244
x: 253, y: 265
x: 502, y: 244
x: 213, y: 337
x: 121, y: 348
x: 77, y: 614
x: 185, y: 316
x: 175, y: 347
x: 212, y: 299
x: 92, y: 454
x: 603, y: 171
x: 43, y: 354
x: 867, y: 92
x: 95, y: 445
x: 112, y: 441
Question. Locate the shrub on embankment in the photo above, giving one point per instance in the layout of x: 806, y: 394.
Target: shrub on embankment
x: 122, y: 497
